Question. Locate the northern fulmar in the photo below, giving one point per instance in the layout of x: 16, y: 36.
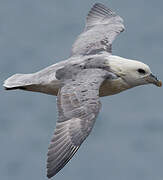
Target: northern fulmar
x: 78, y: 82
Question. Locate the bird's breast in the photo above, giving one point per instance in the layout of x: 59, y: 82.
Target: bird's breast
x: 110, y: 87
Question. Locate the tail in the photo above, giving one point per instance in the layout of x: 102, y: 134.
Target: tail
x: 18, y: 81
x: 33, y: 82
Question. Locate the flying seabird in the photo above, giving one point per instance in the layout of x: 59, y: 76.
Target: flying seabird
x: 78, y: 82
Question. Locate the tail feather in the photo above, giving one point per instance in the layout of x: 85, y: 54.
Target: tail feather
x: 18, y: 81
x: 32, y: 82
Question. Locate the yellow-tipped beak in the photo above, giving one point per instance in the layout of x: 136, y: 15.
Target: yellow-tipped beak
x: 159, y: 83
x: 153, y: 79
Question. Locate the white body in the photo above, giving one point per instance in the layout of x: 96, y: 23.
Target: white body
x: 45, y: 81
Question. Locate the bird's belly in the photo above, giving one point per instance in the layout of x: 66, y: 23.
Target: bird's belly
x: 50, y: 88
x: 110, y: 87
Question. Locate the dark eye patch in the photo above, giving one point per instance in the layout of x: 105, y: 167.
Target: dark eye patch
x: 141, y: 71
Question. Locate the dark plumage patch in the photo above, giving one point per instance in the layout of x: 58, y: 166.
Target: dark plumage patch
x: 69, y: 71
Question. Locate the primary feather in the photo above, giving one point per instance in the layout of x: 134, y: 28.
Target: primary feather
x: 102, y: 26
x: 78, y: 82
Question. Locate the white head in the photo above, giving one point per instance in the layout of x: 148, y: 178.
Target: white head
x: 134, y: 73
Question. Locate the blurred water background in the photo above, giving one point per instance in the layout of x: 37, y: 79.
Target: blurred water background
x: 126, y: 143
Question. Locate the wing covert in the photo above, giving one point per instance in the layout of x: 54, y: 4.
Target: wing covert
x: 102, y: 26
x: 78, y: 106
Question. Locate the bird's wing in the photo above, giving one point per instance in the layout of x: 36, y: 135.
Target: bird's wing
x: 102, y: 26
x: 78, y: 106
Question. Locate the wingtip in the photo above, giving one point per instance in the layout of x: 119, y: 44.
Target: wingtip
x: 99, y: 11
x: 102, y: 8
x: 49, y: 176
x: 98, y: 4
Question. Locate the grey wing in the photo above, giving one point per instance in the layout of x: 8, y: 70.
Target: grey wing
x: 102, y: 26
x: 78, y: 106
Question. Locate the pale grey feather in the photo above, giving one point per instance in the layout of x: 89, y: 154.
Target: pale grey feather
x: 78, y: 106
x: 17, y: 81
x: 102, y: 26
x: 80, y: 81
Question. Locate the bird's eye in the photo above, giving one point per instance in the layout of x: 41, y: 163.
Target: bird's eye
x: 141, y: 71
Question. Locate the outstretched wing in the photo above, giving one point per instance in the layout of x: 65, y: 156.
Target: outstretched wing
x: 102, y: 26
x: 78, y: 105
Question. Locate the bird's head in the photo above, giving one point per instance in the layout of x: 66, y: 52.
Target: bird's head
x: 134, y: 73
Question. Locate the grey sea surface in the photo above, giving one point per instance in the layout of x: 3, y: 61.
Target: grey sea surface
x: 127, y: 140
